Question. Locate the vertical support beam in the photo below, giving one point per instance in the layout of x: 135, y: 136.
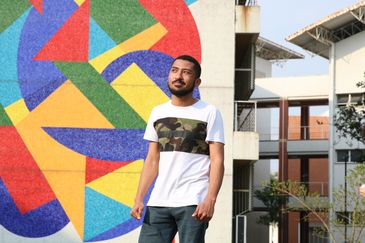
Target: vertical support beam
x: 332, y: 105
x: 304, y: 228
x: 283, y: 162
x: 304, y: 122
x: 304, y: 178
x: 283, y: 138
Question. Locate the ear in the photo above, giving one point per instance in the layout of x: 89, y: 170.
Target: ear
x: 197, y: 82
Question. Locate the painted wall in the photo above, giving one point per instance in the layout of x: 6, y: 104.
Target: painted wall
x: 78, y: 79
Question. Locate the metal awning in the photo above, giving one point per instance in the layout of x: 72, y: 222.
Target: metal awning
x: 269, y: 50
x: 318, y: 37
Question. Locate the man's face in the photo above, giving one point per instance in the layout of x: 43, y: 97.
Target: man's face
x: 182, y: 78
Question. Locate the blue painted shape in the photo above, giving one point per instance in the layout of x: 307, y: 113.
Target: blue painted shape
x: 9, y: 42
x: 188, y: 2
x: 102, y: 213
x: 99, y: 41
x: 155, y: 64
x: 124, y: 227
x: 34, y: 99
x: 105, y: 144
x: 42, y: 221
x: 37, y: 31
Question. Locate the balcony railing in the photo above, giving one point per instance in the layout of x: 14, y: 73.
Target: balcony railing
x: 247, y: 2
x: 317, y: 132
x: 245, y: 116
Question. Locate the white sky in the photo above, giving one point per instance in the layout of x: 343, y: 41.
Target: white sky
x: 281, y: 18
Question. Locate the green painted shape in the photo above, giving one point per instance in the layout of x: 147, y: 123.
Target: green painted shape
x: 101, y: 94
x: 4, y: 119
x: 121, y: 19
x: 10, y: 10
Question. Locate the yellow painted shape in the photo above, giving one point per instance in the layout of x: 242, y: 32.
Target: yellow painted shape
x: 79, y: 2
x: 68, y: 107
x: 145, y: 39
x: 63, y: 168
x: 17, y: 111
x: 102, y: 61
x: 139, y: 90
x: 142, y: 41
x: 121, y: 184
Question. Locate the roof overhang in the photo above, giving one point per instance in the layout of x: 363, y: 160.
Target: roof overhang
x: 269, y: 50
x: 318, y: 37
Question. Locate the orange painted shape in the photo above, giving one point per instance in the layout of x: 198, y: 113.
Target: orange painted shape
x: 71, y: 41
x: 63, y: 168
x: 68, y: 107
x: 37, y: 4
x: 145, y: 39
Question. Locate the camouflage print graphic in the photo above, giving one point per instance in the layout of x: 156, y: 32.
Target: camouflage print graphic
x: 180, y: 134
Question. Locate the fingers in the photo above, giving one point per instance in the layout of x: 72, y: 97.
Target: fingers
x: 136, y: 212
x: 202, y: 214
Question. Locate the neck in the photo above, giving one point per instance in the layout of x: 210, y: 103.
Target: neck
x: 186, y: 100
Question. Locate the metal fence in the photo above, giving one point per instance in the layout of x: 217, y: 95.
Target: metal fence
x: 245, y: 116
x: 315, y: 132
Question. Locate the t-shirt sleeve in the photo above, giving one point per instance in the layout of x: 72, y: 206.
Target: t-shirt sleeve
x: 150, y: 133
x: 215, y: 131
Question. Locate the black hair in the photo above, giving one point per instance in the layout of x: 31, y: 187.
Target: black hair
x: 197, y: 67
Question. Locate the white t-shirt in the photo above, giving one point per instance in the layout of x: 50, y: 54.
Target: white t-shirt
x: 183, y: 133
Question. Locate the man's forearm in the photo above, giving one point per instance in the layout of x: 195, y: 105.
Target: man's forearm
x: 149, y: 171
x: 148, y: 174
x: 216, y: 170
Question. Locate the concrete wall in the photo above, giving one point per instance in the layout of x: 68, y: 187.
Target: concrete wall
x: 246, y: 145
x: 72, y: 114
x: 263, y: 68
x: 291, y: 87
x: 350, y: 63
x: 216, y: 33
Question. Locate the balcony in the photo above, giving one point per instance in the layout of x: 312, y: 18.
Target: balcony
x: 302, y: 140
x: 245, y: 137
x: 320, y: 188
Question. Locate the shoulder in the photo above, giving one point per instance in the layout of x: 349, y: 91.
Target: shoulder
x: 161, y: 107
x: 208, y: 107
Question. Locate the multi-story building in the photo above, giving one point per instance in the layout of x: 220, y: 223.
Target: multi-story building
x: 295, y: 118
x: 78, y: 79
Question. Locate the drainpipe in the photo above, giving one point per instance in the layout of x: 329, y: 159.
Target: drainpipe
x: 332, y: 106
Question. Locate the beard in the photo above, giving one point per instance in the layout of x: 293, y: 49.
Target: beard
x: 181, y: 92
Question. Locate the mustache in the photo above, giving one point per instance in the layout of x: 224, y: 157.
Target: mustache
x: 178, y: 80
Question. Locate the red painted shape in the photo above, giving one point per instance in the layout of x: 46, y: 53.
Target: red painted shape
x: 37, y: 4
x: 96, y: 168
x: 183, y: 35
x: 21, y: 175
x: 71, y: 41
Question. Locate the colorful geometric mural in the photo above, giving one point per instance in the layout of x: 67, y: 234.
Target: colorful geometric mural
x: 78, y: 80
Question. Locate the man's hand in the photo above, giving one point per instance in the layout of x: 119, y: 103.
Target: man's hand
x: 205, y: 210
x: 136, y: 211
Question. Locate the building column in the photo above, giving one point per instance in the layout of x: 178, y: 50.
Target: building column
x: 304, y: 178
x: 283, y: 162
x: 304, y: 122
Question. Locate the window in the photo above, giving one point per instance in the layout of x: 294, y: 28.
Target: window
x: 354, y: 99
x: 354, y: 156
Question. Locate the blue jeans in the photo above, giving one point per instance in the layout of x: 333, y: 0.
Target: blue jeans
x: 160, y: 225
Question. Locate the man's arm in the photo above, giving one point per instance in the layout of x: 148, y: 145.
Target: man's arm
x: 149, y: 173
x: 205, y: 210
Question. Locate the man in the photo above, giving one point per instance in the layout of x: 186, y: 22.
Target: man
x: 186, y: 154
